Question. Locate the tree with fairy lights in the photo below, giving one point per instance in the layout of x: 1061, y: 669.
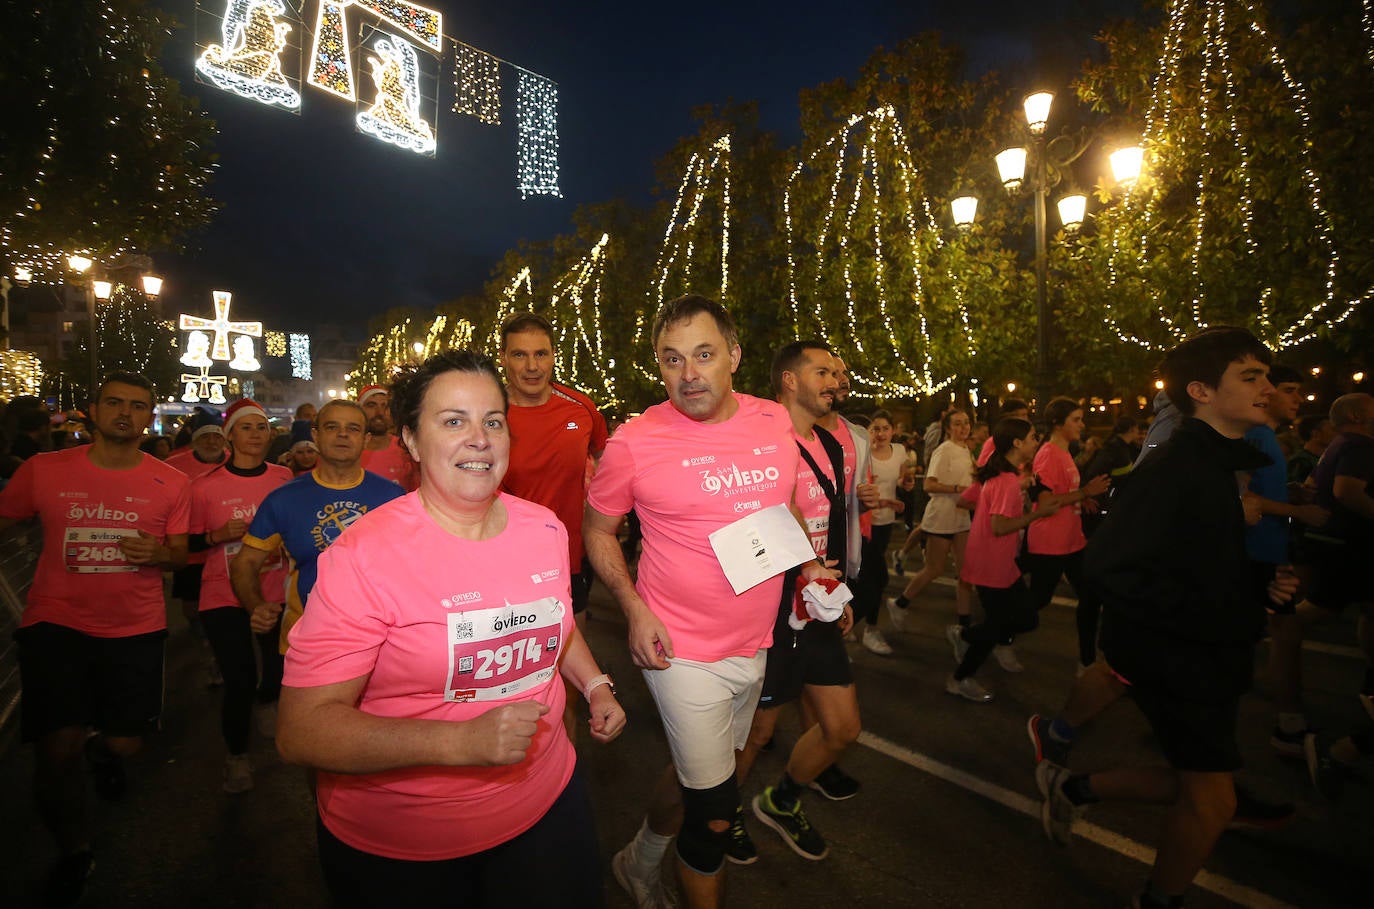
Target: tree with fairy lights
x: 132, y: 336
x: 1249, y: 211
x: 101, y: 151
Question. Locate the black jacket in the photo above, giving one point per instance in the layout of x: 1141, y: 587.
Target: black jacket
x: 1182, y: 609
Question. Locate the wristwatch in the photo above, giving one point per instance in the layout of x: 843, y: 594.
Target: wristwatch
x: 595, y: 683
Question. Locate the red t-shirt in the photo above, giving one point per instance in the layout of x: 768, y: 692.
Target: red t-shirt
x: 217, y: 498
x: 83, y: 581
x: 1062, y: 532
x: 394, y: 463
x: 549, y: 447
x: 990, y: 560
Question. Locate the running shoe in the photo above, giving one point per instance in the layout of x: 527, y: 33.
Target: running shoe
x: 267, y: 720
x: 874, y: 642
x: 107, y: 770
x: 796, y: 831
x: 1047, y: 747
x: 646, y: 889
x: 740, y: 847
x: 835, y: 784
x: 1325, y: 772
x: 238, y: 774
x: 1253, y: 814
x: 955, y: 635
x: 1057, y: 813
x: 1005, y: 654
x: 67, y: 880
x: 897, y: 565
x: 969, y: 689
x: 897, y: 614
x: 1288, y: 744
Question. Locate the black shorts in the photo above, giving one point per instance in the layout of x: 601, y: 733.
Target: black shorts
x: 1339, y: 577
x: 818, y: 658
x: 75, y: 679
x: 1194, y: 735
x: 582, y: 588
x: 186, y: 582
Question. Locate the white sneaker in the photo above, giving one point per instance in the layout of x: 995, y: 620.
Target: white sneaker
x: 955, y: 635
x: 968, y: 689
x: 646, y: 890
x: 267, y: 720
x: 1005, y: 655
x: 897, y: 614
x: 875, y: 643
x: 238, y: 773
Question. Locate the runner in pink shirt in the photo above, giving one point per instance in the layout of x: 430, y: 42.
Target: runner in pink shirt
x: 91, y: 638
x: 223, y: 503
x: 423, y: 681
x: 990, y: 559
x: 699, y: 461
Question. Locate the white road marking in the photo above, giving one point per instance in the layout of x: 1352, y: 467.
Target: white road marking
x: 1222, y: 886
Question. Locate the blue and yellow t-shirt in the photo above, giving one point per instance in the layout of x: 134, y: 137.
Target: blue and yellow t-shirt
x: 304, y: 518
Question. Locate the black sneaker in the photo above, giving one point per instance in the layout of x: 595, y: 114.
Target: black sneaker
x: 796, y: 831
x: 740, y: 847
x: 1047, y: 747
x: 67, y: 880
x: 835, y: 784
x: 1253, y: 814
x: 107, y: 770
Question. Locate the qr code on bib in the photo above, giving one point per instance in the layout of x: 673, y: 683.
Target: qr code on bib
x: 462, y: 631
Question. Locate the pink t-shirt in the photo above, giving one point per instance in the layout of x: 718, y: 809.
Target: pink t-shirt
x: 448, y: 629
x: 811, y: 497
x: 851, y: 455
x: 83, y: 581
x: 990, y: 560
x: 394, y: 463
x: 185, y: 460
x: 685, y: 480
x: 1062, y: 532
x: 217, y: 498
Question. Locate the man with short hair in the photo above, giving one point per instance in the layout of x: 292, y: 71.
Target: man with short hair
x: 383, y: 452
x: 704, y: 459
x: 1181, y: 615
x: 91, y: 638
x: 1315, y: 432
x: 303, y: 518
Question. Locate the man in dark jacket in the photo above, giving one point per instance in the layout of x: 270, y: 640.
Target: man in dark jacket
x: 1181, y: 616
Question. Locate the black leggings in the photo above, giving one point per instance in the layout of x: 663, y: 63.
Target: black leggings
x: 871, y: 583
x: 231, y: 638
x: 1007, y: 611
x: 1045, y: 572
x: 553, y: 864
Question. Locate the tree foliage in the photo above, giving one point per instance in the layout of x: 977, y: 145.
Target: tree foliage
x: 132, y: 336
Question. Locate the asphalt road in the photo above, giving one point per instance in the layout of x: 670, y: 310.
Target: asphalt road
x: 947, y: 817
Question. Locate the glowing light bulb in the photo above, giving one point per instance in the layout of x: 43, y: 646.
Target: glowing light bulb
x: 1037, y: 107
x: 964, y: 209
x: 1011, y: 166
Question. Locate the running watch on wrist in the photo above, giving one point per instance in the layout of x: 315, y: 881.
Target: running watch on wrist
x: 596, y: 683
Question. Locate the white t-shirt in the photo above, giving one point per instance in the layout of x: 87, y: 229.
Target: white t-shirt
x: 950, y: 465
x: 886, y: 475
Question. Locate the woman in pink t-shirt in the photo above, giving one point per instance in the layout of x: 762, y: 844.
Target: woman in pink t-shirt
x: 990, y: 559
x: 423, y: 681
x: 1054, y: 547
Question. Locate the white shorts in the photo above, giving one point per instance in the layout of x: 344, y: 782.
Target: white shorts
x: 707, y: 709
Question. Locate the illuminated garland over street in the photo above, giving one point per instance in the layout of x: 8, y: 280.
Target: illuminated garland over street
x: 536, y: 118
x: 506, y: 307
x: 576, y: 313
x: 476, y: 84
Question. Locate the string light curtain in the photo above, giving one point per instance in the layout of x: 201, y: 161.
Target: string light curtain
x: 477, y: 84
x: 536, y: 115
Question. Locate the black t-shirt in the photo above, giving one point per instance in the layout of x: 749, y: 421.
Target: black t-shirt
x: 1348, y: 455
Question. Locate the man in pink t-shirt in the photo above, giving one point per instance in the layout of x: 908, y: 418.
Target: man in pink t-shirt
x: 699, y: 461
x: 91, y: 639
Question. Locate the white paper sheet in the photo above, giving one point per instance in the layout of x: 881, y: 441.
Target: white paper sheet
x: 760, y: 546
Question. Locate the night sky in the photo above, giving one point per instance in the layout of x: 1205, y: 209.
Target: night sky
x: 322, y: 223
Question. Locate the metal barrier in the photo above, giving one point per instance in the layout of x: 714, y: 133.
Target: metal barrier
x: 19, y: 548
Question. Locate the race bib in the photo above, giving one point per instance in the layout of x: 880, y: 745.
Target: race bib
x: 496, y: 654
x: 95, y: 550
x: 818, y: 532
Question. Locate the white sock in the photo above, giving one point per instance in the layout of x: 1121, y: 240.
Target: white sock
x: 648, y: 848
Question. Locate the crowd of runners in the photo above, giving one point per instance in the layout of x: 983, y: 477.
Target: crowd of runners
x: 395, y: 590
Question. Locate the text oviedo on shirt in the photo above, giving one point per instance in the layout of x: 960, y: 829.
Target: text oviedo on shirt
x: 733, y: 478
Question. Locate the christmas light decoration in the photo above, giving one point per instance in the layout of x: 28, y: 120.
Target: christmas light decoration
x: 300, y: 356
x: 201, y: 386
x: 331, y: 57
x: 509, y: 304
x: 220, y: 325
x: 679, y: 240
x: 1237, y: 56
x: 575, y: 305
x: 274, y: 343
x: 476, y: 84
x: 536, y: 117
x: 394, y: 116
x: 21, y: 373
x: 838, y: 246
x: 248, y: 61
x: 244, y: 359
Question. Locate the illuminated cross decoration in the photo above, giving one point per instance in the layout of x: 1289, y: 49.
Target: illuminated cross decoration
x: 331, y: 66
x: 202, y: 386
x: 221, y: 326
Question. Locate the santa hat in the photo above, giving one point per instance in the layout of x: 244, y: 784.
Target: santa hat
x: 371, y: 390
x: 244, y: 407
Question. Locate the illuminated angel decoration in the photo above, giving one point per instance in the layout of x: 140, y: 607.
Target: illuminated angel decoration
x: 244, y: 360
x: 197, y: 350
x: 248, y: 63
x: 395, y: 113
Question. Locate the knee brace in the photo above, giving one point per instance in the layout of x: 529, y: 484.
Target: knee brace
x: 701, y: 848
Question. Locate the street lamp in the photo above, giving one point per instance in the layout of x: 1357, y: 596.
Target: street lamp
x: 152, y: 286
x: 964, y: 209
x: 82, y: 264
